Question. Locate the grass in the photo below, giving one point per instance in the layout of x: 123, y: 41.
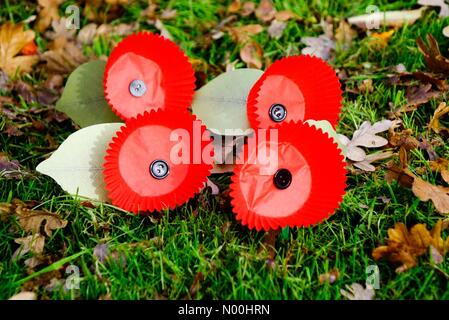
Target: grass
x: 199, y: 250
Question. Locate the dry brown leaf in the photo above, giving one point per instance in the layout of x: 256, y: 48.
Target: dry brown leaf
x: 248, y: 8
x: 32, y: 220
x: 64, y: 57
x: 243, y: 34
x: 426, y: 191
x: 403, y: 247
x: 345, y: 34
x: 265, y: 11
x: 403, y: 139
x: 285, y: 15
x: 396, y: 173
x: 435, y: 61
x: 441, y: 165
x: 168, y: 14
x: 12, y: 40
x: 48, y: 13
x: 434, y: 123
x: 235, y: 6
x: 251, y: 53
x: 33, y: 243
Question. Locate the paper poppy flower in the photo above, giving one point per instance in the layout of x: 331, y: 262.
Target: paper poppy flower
x: 147, y: 72
x: 295, y: 88
x: 298, y: 179
x: 158, y: 160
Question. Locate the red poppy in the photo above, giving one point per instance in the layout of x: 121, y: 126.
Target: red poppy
x: 295, y: 88
x: 148, y: 72
x: 301, y: 186
x: 157, y: 161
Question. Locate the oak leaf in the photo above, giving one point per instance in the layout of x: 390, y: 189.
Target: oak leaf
x: 435, y: 61
x: 404, y: 246
x: 357, y: 292
x: 434, y: 123
x: 12, y: 40
x: 63, y: 57
x: 47, y: 13
x: 32, y: 220
x: 251, y: 53
x: 265, y: 11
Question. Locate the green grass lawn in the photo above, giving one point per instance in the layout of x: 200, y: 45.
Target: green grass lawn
x: 199, y: 250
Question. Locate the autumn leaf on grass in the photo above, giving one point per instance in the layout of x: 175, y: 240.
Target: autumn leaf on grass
x: 435, y: 124
x: 365, y: 136
x: 441, y: 165
x: 63, y: 57
x: 48, y: 13
x: 33, y: 243
x: 320, y: 46
x: 265, y: 11
x: 251, y: 53
x: 345, y: 34
x: 12, y: 40
x: 435, y: 61
x: 378, y: 41
x: 418, y: 95
x: 404, y: 246
x: 404, y: 140
x: 242, y: 34
x: 357, y: 292
x: 32, y: 220
x: 426, y: 191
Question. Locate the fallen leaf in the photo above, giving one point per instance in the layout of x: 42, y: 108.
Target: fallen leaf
x: 404, y: 246
x: 235, y: 6
x: 243, y: 34
x: 9, y: 169
x: 248, y: 8
x: 276, y: 29
x: 435, y: 61
x: 434, y: 123
x: 251, y: 53
x: 33, y: 243
x: 320, y: 46
x: 380, y: 41
x: 265, y: 11
x: 12, y: 40
x: 424, y: 144
x: 365, y: 136
x: 344, y: 35
x: 168, y: 14
x: 64, y: 57
x: 32, y: 220
x: 426, y: 191
x: 441, y: 165
x: 24, y: 295
x: 357, y: 292
x: 366, y: 164
x: 387, y: 18
x: 48, y: 12
x: 285, y: 15
x: 444, y: 7
x: 417, y: 96
x: 60, y: 29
